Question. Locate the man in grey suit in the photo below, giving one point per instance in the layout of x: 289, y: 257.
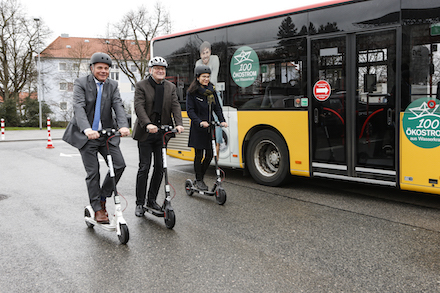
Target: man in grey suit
x: 155, y: 100
x: 95, y: 98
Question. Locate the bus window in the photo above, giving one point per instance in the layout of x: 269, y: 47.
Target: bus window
x: 362, y: 15
x: 420, y: 68
x: 282, y: 80
x: 179, y: 74
x: 269, y: 30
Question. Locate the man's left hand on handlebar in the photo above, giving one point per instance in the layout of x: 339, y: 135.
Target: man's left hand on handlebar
x: 180, y: 128
x: 124, y: 131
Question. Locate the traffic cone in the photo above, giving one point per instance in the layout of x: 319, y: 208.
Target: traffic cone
x: 49, y: 138
x: 3, y: 128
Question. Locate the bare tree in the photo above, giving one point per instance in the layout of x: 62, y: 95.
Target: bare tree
x: 129, y: 41
x: 79, y: 52
x: 19, y: 41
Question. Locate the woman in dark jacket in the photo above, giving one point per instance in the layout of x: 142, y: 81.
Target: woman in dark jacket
x: 201, y: 102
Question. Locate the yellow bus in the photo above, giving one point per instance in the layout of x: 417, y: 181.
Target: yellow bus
x: 345, y: 90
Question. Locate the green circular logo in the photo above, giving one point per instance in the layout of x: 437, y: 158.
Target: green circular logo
x: 245, y: 66
x: 421, y: 123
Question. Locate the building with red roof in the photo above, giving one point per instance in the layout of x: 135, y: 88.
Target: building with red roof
x: 66, y: 59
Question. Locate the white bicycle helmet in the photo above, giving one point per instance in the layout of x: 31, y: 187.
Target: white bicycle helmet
x: 158, y: 61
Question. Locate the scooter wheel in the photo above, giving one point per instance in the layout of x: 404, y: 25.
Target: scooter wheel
x: 220, y: 196
x: 189, y: 187
x: 87, y: 214
x: 123, y: 238
x: 170, y: 219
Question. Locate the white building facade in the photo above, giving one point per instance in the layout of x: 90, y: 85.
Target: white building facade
x: 66, y: 59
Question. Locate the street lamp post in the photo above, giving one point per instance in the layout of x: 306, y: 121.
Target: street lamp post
x: 37, y: 20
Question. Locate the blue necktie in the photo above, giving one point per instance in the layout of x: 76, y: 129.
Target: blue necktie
x: 97, y: 118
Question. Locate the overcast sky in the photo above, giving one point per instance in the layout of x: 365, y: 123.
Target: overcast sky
x: 89, y: 18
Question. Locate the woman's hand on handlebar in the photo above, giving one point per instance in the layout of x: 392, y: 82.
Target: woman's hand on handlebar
x: 204, y: 124
x: 224, y: 124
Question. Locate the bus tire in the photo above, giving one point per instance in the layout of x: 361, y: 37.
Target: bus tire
x: 267, y: 158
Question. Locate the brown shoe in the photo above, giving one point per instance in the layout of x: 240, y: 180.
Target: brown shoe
x: 101, y: 217
x: 103, y: 207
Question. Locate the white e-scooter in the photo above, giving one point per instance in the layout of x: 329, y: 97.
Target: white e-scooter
x: 117, y: 222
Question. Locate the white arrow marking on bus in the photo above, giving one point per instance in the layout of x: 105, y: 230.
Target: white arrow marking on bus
x: 322, y: 90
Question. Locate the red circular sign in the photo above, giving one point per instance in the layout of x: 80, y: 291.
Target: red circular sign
x: 431, y: 104
x: 322, y: 90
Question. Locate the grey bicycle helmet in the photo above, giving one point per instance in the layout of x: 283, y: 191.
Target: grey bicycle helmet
x: 202, y: 69
x: 100, y: 57
x: 158, y: 61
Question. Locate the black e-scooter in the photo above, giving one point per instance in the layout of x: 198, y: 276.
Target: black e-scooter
x: 117, y: 222
x: 217, y: 190
x: 167, y: 211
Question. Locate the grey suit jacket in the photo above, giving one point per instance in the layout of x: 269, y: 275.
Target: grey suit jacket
x: 84, y: 100
x: 143, y: 106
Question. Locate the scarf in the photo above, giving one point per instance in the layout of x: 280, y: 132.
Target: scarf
x: 158, y: 98
x: 208, y: 92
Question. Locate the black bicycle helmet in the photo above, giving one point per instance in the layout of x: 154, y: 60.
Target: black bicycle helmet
x: 158, y: 61
x: 100, y: 57
x: 202, y: 69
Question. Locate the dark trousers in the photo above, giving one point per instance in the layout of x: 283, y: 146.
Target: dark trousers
x: 151, y: 147
x: 202, y: 159
x: 89, y: 154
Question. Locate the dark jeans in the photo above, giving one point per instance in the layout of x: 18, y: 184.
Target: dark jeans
x: 201, y: 164
x: 152, y: 146
x: 89, y: 154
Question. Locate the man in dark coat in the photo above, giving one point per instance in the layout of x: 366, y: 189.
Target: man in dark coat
x: 95, y: 97
x: 155, y: 104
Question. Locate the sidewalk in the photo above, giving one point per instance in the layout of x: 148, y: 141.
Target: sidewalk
x: 17, y: 135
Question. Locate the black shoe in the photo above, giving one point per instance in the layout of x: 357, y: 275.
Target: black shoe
x: 139, y: 212
x: 153, y: 205
x: 201, y: 185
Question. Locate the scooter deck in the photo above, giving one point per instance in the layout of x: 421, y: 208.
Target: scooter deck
x: 204, y: 192
x: 154, y: 212
x: 113, y: 220
x: 109, y: 227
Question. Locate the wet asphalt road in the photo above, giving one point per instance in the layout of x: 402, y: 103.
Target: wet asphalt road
x: 308, y: 236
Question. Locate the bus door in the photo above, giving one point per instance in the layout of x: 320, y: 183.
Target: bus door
x: 353, y: 125
x: 328, y: 125
x: 375, y: 134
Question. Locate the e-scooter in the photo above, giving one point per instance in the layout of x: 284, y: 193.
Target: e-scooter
x: 167, y: 211
x: 117, y: 222
x: 217, y: 190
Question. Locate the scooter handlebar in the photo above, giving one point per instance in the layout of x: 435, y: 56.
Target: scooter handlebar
x: 109, y: 132
x: 216, y: 123
x: 168, y: 128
